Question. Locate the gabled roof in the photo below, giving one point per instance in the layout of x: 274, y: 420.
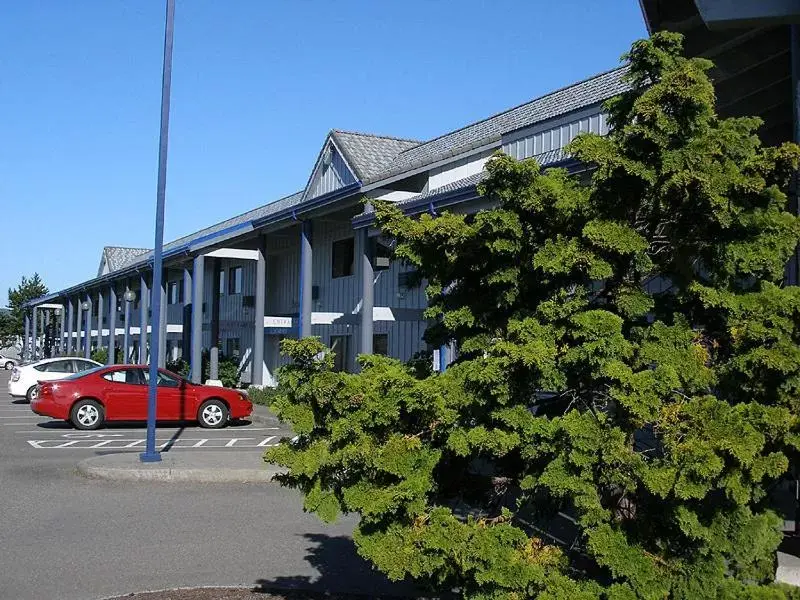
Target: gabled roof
x: 368, y: 154
x: 574, y: 97
x: 116, y: 257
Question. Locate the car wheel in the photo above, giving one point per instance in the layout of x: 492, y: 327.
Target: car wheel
x: 213, y: 414
x: 86, y: 414
x: 33, y: 393
x: 9, y: 365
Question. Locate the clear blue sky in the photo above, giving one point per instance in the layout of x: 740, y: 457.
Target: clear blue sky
x: 257, y: 84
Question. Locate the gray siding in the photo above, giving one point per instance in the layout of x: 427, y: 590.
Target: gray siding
x: 332, y: 177
x: 554, y: 134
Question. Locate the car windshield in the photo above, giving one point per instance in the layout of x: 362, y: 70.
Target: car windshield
x: 80, y: 374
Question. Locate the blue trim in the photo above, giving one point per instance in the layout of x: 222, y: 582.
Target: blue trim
x: 319, y: 201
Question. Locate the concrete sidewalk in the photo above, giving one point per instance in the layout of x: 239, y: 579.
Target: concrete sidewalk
x: 197, y: 466
x: 263, y: 416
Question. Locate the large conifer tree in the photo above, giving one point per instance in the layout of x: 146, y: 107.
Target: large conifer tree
x: 629, y: 370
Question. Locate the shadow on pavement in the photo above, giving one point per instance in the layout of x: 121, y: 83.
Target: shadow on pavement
x: 341, y: 570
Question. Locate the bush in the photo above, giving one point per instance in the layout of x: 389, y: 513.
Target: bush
x: 179, y: 367
x: 264, y: 396
x: 228, y: 369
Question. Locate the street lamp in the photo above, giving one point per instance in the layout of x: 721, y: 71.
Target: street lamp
x: 150, y: 454
x: 129, y: 296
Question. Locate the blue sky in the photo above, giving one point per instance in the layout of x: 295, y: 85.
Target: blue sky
x: 257, y: 84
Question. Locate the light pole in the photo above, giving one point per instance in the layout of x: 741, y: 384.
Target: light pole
x: 128, y: 297
x: 87, y: 342
x: 150, y: 454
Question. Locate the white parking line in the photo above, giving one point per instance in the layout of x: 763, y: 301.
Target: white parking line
x: 180, y: 443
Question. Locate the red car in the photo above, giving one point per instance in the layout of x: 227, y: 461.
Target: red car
x: 119, y: 393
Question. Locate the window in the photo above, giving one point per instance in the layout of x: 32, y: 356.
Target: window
x: 380, y: 344
x: 172, y: 292
x: 381, y: 255
x: 130, y: 376
x: 235, y: 280
x: 83, y: 365
x: 339, y: 347
x: 222, y: 282
x: 164, y: 380
x: 343, y: 255
x: 232, y: 348
x: 57, y: 366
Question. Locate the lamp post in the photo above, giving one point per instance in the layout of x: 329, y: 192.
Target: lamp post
x: 128, y: 297
x: 150, y: 454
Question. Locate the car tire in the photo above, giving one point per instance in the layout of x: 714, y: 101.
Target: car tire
x: 87, y: 415
x: 213, y: 414
x: 9, y: 365
x: 31, y: 394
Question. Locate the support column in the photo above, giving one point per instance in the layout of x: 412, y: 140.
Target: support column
x: 306, y: 279
x: 186, y: 321
x: 112, y: 323
x: 61, y: 343
x: 162, y: 325
x: 257, y: 369
x: 33, y: 334
x: 215, y: 292
x: 47, y: 334
x: 143, y: 308
x: 196, y: 359
x: 79, y: 327
x: 367, y: 293
x: 99, y: 320
x: 87, y: 348
x: 70, y: 324
x: 25, y: 340
x: 126, y: 340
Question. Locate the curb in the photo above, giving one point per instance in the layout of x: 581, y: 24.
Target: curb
x: 90, y: 469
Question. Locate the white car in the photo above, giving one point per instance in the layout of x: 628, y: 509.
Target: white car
x: 7, y: 363
x: 24, y: 378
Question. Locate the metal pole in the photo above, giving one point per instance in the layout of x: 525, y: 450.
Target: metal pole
x: 144, y: 301
x: 150, y: 454
x: 306, y: 279
x: 61, y: 343
x: 99, y: 320
x: 367, y: 294
x: 196, y: 360
x: 126, y: 342
x: 33, y: 333
x: 47, y: 338
x: 70, y: 324
x: 257, y: 370
x: 112, y: 324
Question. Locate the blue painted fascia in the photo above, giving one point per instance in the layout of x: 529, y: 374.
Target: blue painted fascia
x: 290, y: 212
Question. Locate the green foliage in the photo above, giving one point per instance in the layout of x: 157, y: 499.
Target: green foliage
x: 264, y: 396
x: 101, y: 355
x: 12, y: 326
x: 228, y: 369
x: 179, y: 367
x: 628, y: 358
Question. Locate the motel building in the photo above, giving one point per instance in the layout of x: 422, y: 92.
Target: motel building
x: 313, y: 264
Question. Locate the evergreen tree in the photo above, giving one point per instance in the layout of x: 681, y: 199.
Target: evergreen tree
x: 12, y: 326
x: 629, y: 370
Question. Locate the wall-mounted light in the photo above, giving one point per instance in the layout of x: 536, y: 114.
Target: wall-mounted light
x: 129, y: 296
x: 85, y: 305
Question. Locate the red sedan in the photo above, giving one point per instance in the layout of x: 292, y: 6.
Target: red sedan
x: 119, y: 393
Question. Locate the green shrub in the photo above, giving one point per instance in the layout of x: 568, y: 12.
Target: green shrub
x: 179, y: 367
x: 263, y: 396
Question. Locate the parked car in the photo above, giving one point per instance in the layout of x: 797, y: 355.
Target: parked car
x: 24, y: 378
x: 8, y: 363
x: 119, y: 393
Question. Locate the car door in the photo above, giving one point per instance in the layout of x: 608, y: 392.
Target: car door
x: 170, y: 404
x: 124, y: 395
x: 57, y: 369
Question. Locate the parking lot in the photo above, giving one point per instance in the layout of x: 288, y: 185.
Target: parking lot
x: 22, y: 430
x: 73, y: 538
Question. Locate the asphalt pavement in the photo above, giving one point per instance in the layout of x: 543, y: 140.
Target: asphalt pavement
x: 71, y: 537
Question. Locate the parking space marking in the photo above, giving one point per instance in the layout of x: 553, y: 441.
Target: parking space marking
x: 180, y: 443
